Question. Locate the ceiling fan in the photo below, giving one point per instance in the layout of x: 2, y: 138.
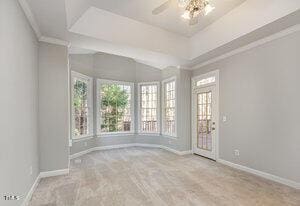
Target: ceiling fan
x: 192, y: 8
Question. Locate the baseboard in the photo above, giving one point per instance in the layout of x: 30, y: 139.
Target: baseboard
x: 32, y: 189
x: 37, y: 180
x: 129, y: 145
x: 118, y: 146
x: 54, y: 173
x: 176, y: 151
x: 78, y: 154
x: 187, y: 152
x: 265, y: 175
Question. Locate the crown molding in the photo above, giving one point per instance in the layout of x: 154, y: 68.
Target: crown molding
x: 252, y: 45
x: 31, y: 18
x: 52, y: 40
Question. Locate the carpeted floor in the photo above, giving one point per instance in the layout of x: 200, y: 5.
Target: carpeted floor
x: 144, y: 176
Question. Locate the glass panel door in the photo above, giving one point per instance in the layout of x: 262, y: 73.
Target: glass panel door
x: 204, y: 120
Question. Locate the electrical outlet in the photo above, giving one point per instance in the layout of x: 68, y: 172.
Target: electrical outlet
x: 85, y: 144
x: 224, y: 119
x: 30, y: 170
x: 236, y: 152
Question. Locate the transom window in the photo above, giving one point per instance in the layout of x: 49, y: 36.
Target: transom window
x: 169, y: 107
x: 82, y: 118
x: 115, y: 106
x: 205, y: 81
x: 149, y: 107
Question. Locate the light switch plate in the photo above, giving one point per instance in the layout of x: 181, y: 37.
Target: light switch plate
x: 224, y: 119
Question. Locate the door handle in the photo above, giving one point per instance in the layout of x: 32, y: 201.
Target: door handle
x: 213, y: 128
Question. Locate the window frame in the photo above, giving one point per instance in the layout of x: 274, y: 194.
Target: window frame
x: 98, y: 107
x: 164, y: 82
x: 90, y: 115
x: 157, y: 109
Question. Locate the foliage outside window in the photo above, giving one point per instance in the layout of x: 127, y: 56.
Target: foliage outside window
x: 148, y: 107
x: 81, y: 104
x: 115, y: 106
x: 169, y: 109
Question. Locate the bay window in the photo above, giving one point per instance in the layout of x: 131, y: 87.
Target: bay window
x: 82, y: 106
x: 169, y: 107
x: 115, y: 107
x: 149, y: 107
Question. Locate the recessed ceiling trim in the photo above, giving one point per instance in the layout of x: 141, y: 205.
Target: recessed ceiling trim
x: 248, y: 17
x: 31, y: 18
x: 54, y: 41
x: 107, y: 26
x: 252, y: 45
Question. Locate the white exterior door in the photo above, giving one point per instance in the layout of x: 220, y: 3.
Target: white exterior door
x: 205, y: 120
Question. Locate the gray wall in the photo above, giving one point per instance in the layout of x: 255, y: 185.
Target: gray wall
x: 259, y: 94
x: 19, y: 113
x: 53, y: 107
x: 183, y: 98
x: 106, y: 66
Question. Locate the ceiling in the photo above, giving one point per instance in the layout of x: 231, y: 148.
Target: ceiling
x: 128, y: 28
x: 170, y: 19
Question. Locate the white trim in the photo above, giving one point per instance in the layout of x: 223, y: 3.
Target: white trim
x: 79, y: 154
x: 31, y: 18
x: 41, y: 175
x: 30, y: 192
x: 169, y: 137
x: 216, y: 74
x: 157, y: 108
x: 163, y: 106
x: 98, y: 100
x: 52, y: 40
x: 83, y: 138
x: 175, y: 151
x: 265, y: 175
x: 90, y: 96
x: 129, y: 145
x: 154, y: 134
x: 252, y: 45
x: 54, y: 173
x: 115, y: 134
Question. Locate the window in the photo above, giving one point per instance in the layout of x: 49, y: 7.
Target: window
x: 205, y: 81
x: 169, y: 107
x: 82, y: 109
x: 148, y: 107
x: 115, y: 105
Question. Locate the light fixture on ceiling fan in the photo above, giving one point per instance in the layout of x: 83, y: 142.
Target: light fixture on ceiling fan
x: 192, y: 8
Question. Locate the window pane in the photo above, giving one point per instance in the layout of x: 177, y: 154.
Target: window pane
x: 148, y: 108
x: 206, y: 81
x: 115, y: 108
x: 80, y: 105
x: 169, y: 110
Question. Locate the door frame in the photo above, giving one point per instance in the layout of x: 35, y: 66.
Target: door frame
x: 194, y: 87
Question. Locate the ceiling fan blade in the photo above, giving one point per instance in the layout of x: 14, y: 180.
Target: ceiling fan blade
x: 162, y: 7
x: 194, y: 21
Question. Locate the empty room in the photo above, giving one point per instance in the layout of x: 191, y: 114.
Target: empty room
x: 150, y: 102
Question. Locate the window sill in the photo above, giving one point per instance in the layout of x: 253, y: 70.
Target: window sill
x: 116, y: 134
x: 169, y: 136
x: 148, y: 134
x: 82, y: 138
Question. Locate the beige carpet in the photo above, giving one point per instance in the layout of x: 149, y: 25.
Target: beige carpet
x: 143, y: 176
